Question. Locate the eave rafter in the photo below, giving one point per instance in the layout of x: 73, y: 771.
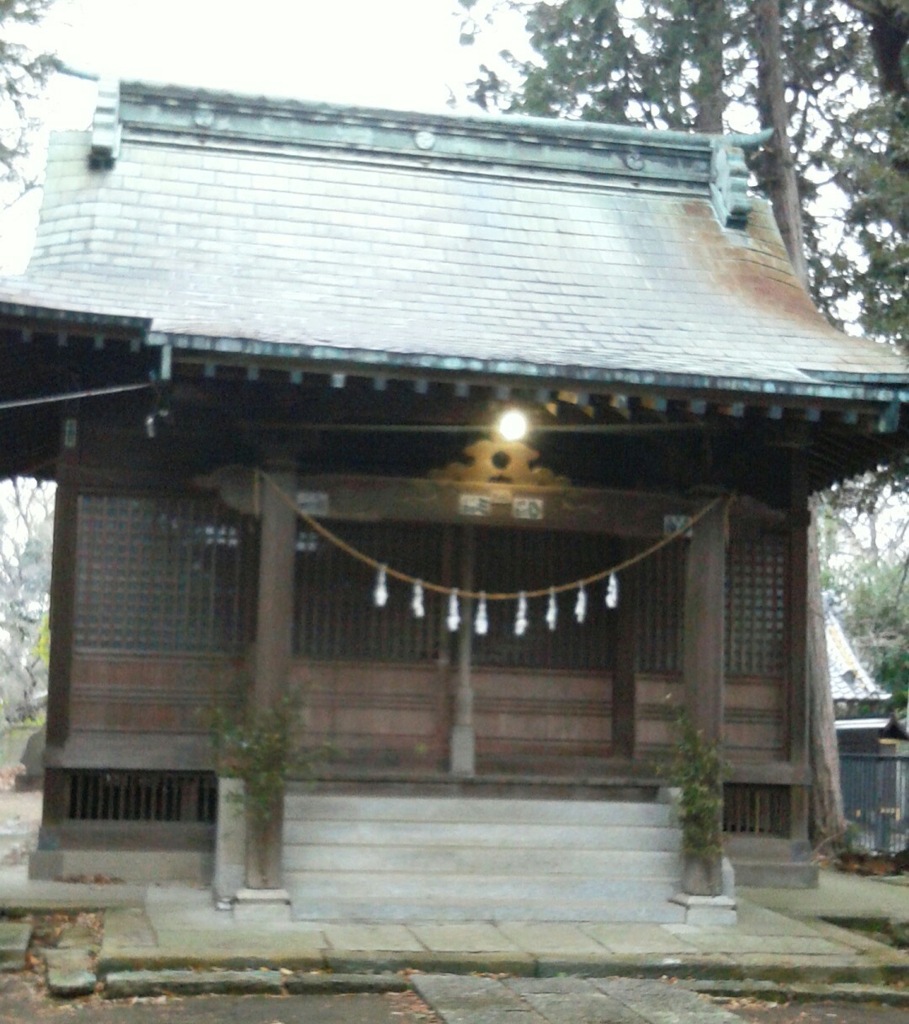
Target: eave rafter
x: 844, y: 427
x: 564, y: 406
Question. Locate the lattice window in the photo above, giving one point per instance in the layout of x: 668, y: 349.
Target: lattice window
x: 660, y: 610
x: 97, y: 795
x: 336, y: 616
x: 756, y: 809
x: 511, y: 560
x: 755, y: 607
x: 158, y: 573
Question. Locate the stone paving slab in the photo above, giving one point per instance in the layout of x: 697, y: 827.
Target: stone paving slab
x: 344, y: 984
x: 478, y: 937
x: 570, y: 1001
x: 855, y: 940
x: 78, y: 936
x: 820, y: 969
x: 756, y: 920
x: 261, y: 945
x: 661, y: 1003
x: 123, y: 961
x: 70, y: 972
x: 466, y: 1000
x: 132, y: 984
x: 395, y: 938
x: 471, y: 1000
x: 772, y: 991
x: 128, y: 927
x: 727, y: 940
x: 637, y: 966
x: 552, y: 938
x: 651, y: 939
x: 14, y: 940
x: 431, y: 961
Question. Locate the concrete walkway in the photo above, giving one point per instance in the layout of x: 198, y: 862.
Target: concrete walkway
x: 782, y: 938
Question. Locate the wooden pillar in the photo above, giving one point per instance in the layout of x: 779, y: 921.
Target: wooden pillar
x: 797, y: 624
x: 62, y: 623
x: 463, y: 736
x: 274, y: 619
x: 62, y: 610
x: 274, y: 640
x: 624, y: 695
x: 703, y: 666
x: 803, y: 585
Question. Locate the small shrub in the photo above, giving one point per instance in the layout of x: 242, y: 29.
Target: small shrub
x: 259, y: 746
x: 698, y: 770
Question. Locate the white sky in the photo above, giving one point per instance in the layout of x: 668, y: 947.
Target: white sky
x: 398, y: 53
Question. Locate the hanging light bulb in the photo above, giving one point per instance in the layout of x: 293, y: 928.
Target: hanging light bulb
x: 416, y: 602
x: 552, y: 612
x: 520, y: 619
x: 513, y: 425
x: 612, y: 591
x: 580, y: 608
x: 454, y: 612
x: 380, y: 594
x: 481, y: 621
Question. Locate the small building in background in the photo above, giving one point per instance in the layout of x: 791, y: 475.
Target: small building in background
x: 855, y: 694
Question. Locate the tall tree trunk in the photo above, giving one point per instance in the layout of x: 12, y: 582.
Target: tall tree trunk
x: 828, y: 821
x: 709, y: 94
x: 779, y: 168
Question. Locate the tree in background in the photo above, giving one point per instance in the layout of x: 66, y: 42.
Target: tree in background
x: 865, y: 542
x: 829, y: 78
x: 26, y: 528
x: 24, y: 70
x: 26, y: 506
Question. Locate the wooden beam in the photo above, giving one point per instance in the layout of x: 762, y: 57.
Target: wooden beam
x: 625, y: 514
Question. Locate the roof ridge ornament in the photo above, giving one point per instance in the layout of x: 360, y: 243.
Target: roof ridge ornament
x: 106, y: 127
x: 729, y: 184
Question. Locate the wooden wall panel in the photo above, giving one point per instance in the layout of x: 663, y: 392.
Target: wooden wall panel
x: 148, y: 693
x: 379, y: 716
x: 556, y: 722
x: 754, y: 720
x: 659, y: 701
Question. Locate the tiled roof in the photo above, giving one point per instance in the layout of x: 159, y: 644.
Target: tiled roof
x: 548, y: 248
x: 849, y: 681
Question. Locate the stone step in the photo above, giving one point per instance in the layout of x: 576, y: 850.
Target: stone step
x: 377, y: 909
x: 482, y: 836
x: 472, y: 860
x: 324, y: 885
x: 460, y: 859
x: 464, y: 810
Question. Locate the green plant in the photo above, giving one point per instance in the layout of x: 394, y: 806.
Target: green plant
x: 698, y: 770
x: 259, y: 746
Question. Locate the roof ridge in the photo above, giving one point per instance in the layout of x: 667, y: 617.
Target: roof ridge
x: 707, y: 164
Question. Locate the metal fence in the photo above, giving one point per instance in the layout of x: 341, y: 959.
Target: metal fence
x: 876, y: 800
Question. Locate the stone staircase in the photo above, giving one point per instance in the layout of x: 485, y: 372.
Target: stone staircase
x: 455, y: 858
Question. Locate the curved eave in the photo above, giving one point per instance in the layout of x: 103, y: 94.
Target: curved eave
x: 335, y: 359
x: 50, y: 315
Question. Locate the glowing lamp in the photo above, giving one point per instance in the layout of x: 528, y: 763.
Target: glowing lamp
x: 513, y: 425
